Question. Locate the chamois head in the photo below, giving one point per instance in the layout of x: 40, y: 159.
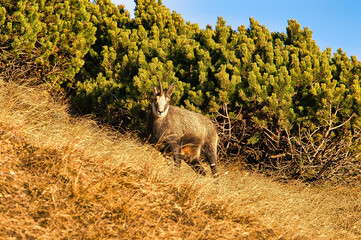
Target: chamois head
x: 160, y: 106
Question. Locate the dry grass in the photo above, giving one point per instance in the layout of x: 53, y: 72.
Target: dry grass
x: 67, y: 178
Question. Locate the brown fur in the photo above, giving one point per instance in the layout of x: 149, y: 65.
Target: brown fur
x: 188, y: 151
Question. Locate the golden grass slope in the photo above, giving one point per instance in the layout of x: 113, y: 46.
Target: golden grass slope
x: 68, y: 178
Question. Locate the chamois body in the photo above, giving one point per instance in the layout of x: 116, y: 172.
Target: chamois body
x: 187, y: 135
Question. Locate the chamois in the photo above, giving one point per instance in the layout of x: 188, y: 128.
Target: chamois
x: 186, y: 135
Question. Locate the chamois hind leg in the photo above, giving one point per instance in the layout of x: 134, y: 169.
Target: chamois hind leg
x: 210, y: 153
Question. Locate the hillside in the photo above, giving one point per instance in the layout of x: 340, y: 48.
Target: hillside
x: 283, y: 108
x: 68, y: 178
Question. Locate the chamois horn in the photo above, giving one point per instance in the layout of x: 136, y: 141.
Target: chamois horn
x: 160, y: 87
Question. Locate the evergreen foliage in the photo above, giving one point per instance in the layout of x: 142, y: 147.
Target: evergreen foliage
x: 280, y: 103
x: 45, y: 39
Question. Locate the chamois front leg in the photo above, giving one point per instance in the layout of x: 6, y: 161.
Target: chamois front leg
x: 176, y: 150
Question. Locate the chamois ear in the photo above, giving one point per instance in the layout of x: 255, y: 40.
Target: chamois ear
x: 170, y: 90
x: 155, y: 91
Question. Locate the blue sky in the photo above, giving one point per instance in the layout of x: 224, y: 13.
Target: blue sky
x: 335, y: 23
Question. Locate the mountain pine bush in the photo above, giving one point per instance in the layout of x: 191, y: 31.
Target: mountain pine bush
x: 46, y: 40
